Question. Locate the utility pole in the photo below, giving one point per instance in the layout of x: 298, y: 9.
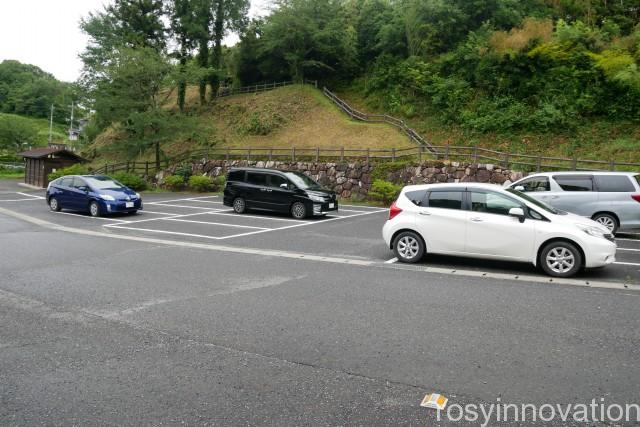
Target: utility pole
x: 51, y: 126
x: 71, y: 121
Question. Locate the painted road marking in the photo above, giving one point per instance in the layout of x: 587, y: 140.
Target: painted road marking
x: 31, y: 195
x: 391, y: 261
x: 629, y: 249
x: 180, y: 200
x: 222, y: 224
x: 627, y: 263
x: 307, y: 257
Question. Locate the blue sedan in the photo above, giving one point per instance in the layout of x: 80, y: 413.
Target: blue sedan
x: 98, y: 195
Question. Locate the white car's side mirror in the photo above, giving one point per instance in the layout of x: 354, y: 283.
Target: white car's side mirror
x: 518, y: 213
x: 519, y: 188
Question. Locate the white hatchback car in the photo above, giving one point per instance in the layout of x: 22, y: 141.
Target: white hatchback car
x: 486, y: 221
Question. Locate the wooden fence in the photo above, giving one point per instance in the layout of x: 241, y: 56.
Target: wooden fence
x: 257, y: 88
x: 523, y: 162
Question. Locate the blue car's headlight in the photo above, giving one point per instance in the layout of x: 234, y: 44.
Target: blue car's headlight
x: 107, y: 197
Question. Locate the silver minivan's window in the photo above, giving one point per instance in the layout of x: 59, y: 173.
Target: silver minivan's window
x: 614, y: 184
x: 537, y: 183
x: 575, y: 182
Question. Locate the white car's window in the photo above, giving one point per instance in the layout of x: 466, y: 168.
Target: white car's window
x: 492, y: 203
x: 445, y: 199
x: 538, y: 183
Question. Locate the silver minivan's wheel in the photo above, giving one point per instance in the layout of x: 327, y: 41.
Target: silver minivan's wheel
x: 94, y: 209
x: 298, y: 210
x: 54, y: 204
x: 239, y: 205
x: 408, y: 247
x: 560, y: 259
x: 608, y: 221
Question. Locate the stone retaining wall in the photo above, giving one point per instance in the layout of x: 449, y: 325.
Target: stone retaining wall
x: 354, y: 179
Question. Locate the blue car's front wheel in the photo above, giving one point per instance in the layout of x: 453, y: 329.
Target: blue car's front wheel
x: 94, y: 208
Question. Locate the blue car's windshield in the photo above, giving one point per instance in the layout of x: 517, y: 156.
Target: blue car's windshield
x: 103, y: 183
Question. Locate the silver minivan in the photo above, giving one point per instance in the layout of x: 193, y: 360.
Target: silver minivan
x: 611, y: 198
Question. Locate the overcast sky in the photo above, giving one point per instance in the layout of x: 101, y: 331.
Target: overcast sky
x: 45, y: 32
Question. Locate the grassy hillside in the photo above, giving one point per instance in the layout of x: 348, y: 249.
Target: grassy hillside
x: 598, y: 140
x: 42, y: 128
x: 293, y: 116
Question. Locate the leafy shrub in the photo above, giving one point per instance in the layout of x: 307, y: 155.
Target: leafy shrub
x: 174, y: 182
x: 384, y: 191
x: 200, y: 183
x: 219, y: 182
x: 77, y: 169
x: 130, y: 180
x: 185, y: 171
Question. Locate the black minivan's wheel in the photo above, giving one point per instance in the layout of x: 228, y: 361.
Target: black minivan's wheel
x: 239, y: 205
x: 94, y: 209
x: 54, y: 204
x: 560, y: 259
x: 608, y: 221
x: 408, y: 247
x: 298, y: 210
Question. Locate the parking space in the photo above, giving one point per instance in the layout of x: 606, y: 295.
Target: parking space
x: 354, y: 232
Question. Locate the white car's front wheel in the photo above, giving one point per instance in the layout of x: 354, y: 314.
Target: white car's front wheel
x: 560, y: 259
x: 408, y: 246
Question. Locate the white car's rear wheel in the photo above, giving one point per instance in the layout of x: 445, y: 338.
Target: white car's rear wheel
x: 408, y: 247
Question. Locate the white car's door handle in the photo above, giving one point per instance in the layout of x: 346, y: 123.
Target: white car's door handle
x: 424, y: 213
x: 476, y: 219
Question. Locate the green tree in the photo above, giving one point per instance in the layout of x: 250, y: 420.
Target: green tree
x: 16, y: 134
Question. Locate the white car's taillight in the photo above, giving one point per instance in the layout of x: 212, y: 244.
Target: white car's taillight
x: 394, y: 210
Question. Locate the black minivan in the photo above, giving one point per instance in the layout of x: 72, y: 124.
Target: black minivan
x: 277, y: 191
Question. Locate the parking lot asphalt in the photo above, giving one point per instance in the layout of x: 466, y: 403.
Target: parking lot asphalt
x: 354, y: 233
x: 259, y: 319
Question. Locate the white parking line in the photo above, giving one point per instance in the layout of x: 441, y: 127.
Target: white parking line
x: 629, y: 249
x: 391, y: 261
x: 230, y: 212
x: 90, y: 217
x: 307, y: 223
x: 162, y: 218
x: 179, y: 206
x: 628, y: 240
x: 202, y: 201
x: 30, y: 195
x: 627, y: 263
x: 166, y: 232
x: 180, y: 200
x: 222, y: 224
x: 19, y: 200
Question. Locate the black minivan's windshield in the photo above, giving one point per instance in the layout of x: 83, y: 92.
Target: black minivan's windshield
x: 538, y: 203
x: 302, y: 181
x: 103, y: 183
